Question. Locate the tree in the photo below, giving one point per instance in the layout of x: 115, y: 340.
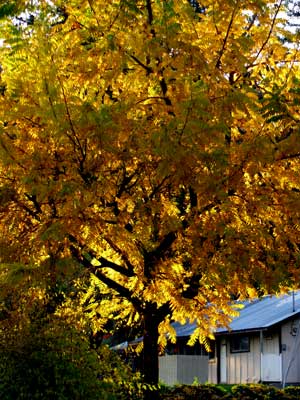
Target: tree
x: 45, y: 351
x: 159, y: 148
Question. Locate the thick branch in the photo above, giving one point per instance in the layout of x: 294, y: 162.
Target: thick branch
x: 116, y: 267
x: 288, y: 156
x: 165, y: 244
x: 121, y: 290
x: 153, y: 257
x: 36, y: 204
x: 121, y: 253
x: 124, y: 185
x: 149, y: 11
x: 163, y: 311
x: 103, y: 261
x: 148, y: 69
x: 112, y: 284
x: 157, y: 188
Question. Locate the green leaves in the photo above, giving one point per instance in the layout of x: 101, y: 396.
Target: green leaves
x: 9, y: 9
x: 129, y: 123
x: 55, y: 232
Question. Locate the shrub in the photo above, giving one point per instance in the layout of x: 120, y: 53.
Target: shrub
x: 54, y: 361
x: 293, y: 391
x: 256, y: 392
x: 45, y: 352
x: 194, y: 392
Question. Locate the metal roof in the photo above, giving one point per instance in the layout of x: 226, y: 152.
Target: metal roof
x: 256, y: 314
x: 266, y: 312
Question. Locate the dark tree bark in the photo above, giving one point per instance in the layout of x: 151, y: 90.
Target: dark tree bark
x: 153, y: 316
x: 150, y: 351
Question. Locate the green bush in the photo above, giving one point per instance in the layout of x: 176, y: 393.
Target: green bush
x: 45, y: 352
x: 253, y: 391
x: 292, y: 391
x: 194, y: 392
x: 239, y: 392
x: 57, y: 368
x: 54, y: 361
x: 259, y: 392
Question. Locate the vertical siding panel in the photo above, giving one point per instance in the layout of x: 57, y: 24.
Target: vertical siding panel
x: 212, y: 371
x: 230, y: 366
x: 254, y: 375
x: 190, y: 367
x: 237, y: 359
x: 168, y: 369
x: 289, y: 341
x: 244, y: 367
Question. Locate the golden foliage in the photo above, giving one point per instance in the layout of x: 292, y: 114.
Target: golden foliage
x: 158, y: 147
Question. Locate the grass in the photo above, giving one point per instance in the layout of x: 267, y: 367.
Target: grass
x: 225, y: 386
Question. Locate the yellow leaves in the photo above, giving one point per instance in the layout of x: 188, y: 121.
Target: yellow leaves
x: 120, y: 136
x: 199, y: 336
x: 252, y: 292
x: 166, y: 333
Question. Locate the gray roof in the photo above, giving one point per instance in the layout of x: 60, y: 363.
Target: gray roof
x: 256, y: 315
x: 266, y: 312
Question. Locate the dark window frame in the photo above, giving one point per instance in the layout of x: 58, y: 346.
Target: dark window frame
x: 240, y: 344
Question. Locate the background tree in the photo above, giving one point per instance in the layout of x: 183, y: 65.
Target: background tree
x: 159, y: 148
x: 45, y: 352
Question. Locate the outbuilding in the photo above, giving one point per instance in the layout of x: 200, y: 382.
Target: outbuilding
x: 262, y: 344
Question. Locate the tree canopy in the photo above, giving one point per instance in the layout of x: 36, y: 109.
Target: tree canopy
x: 158, y: 146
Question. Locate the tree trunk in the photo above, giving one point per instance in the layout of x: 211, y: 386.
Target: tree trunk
x: 150, y: 352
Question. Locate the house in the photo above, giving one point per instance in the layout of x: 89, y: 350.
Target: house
x: 262, y: 344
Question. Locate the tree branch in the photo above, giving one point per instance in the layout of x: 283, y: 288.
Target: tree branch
x: 269, y: 35
x: 121, y: 253
x: 218, y: 63
x: 288, y: 156
x: 150, y: 11
x: 149, y: 70
x: 112, y: 284
x: 166, y: 243
x: 102, y: 260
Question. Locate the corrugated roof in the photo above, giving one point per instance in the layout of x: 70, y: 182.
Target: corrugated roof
x: 266, y: 312
x: 258, y: 314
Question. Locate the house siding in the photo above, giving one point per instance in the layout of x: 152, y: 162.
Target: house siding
x: 183, y: 369
x: 213, y: 371
x: 244, y: 367
x: 271, y: 362
x: 290, y: 339
x: 240, y: 367
x: 191, y: 368
x: 168, y: 369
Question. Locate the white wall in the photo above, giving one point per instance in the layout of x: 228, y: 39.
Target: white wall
x: 289, y: 338
x: 183, y: 369
x: 244, y: 367
x: 240, y: 367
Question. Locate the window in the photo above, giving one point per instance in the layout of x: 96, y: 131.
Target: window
x: 239, y: 344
